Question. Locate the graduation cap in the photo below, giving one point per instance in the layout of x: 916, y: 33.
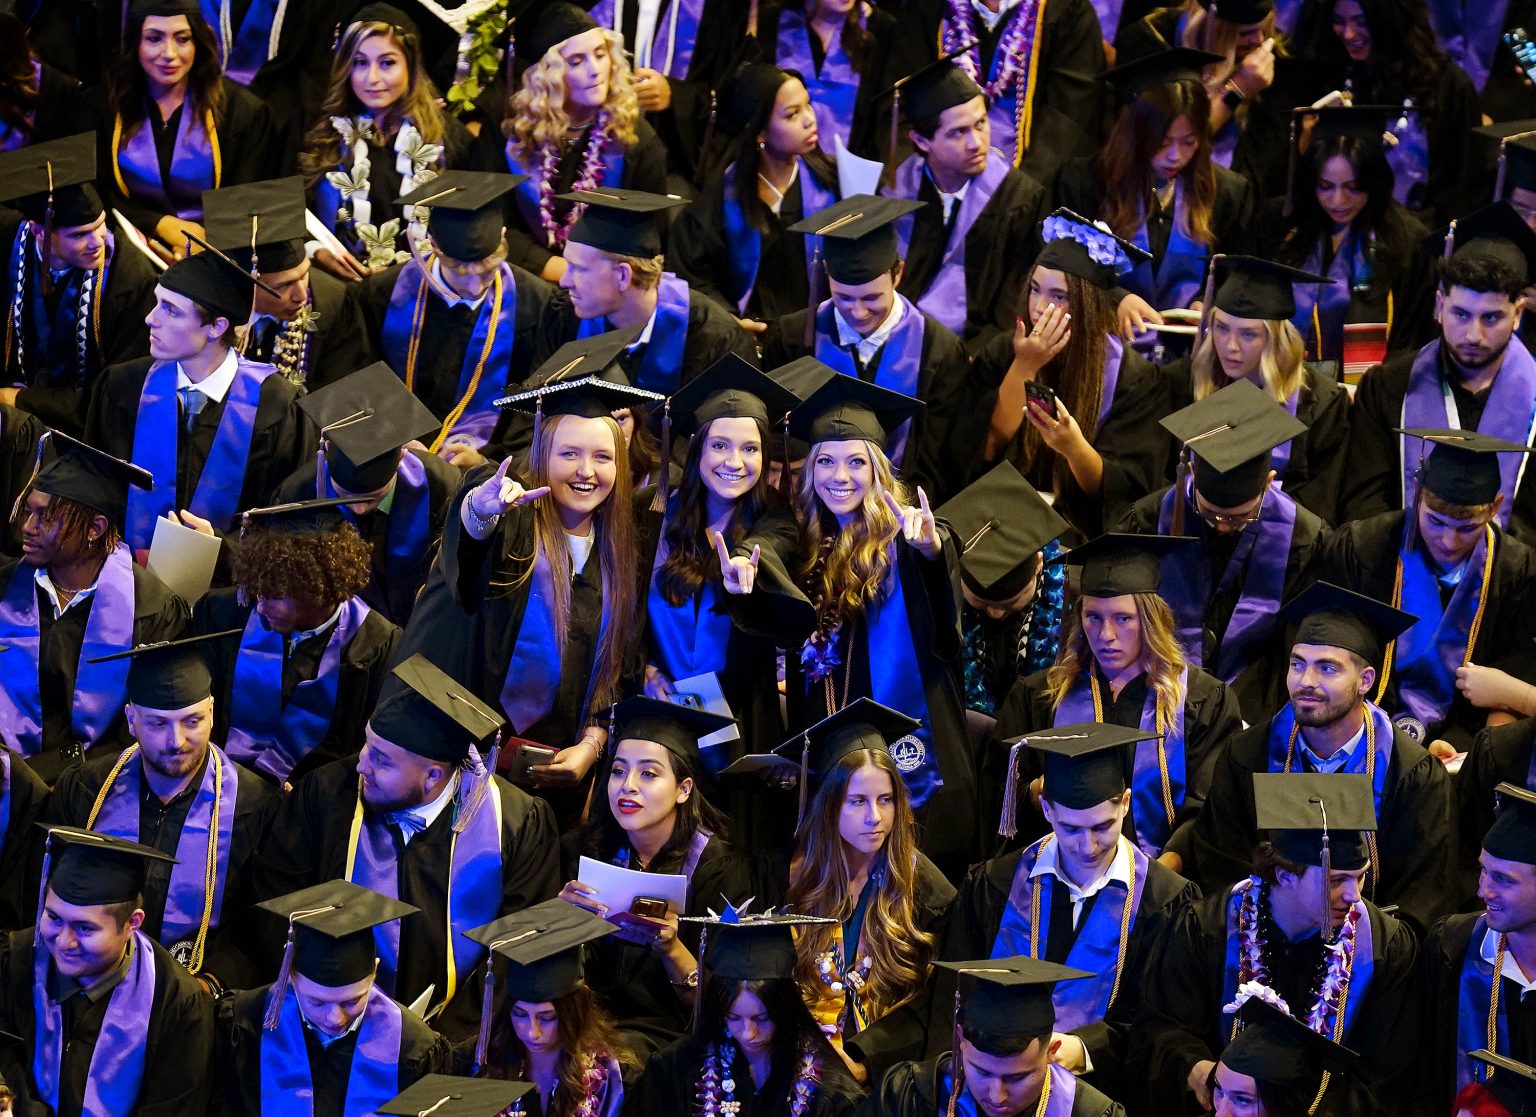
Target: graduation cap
x: 1512, y: 837
x: 86, y: 868
x: 675, y: 728
x: 1085, y: 763
x: 1358, y: 122
x: 1162, y: 68
x: 1275, y: 1048
x: 1011, y: 996
x: 1512, y: 1082
x: 262, y: 221
x: 1335, y: 617
x: 1002, y: 523
x: 51, y: 183
x: 932, y: 88
x: 1239, y: 11
x: 385, y: 13
x: 1517, y: 155
x: 1495, y: 232
x: 88, y: 476
x: 1115, y: 564
x: 862, y: 724
x: 330, y: 935
x: 1461, y: 466
x: 581, y: 378
x: 446, y: 1095
x: 845, y: 408
x: 623, y: 222
x: 741, y: 947
x: 859, y: 242
x: 1317, y: 819
x: 558, y: 22
x: 433, y: 715
x: 141, y: 9
x: 1231, y: 433
x: 467, y: 215
x: 1086, y: 249
x: 364, y: 420
x: 730, y: 389
x: 1251, y: 287
x: 297, y: 517
x: 214, y: 281
x: 803, y: 375
x: 169, y: 674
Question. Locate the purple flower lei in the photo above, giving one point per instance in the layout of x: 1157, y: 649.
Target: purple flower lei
x: 962, y: 29
x: 557, y: 229
x: 1323, y: 1016
x: 717, y: 1086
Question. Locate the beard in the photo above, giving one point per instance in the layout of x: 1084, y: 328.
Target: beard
x: 1316, y: 717
x: 173, y: 767
x: 1459, y: 367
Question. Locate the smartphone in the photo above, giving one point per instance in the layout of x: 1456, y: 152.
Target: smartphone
x: 649, y: 907
x: 1521, y: 46
x: 525, y: 754
x: 1042, y: 395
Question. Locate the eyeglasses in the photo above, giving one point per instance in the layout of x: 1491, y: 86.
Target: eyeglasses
x: 1235, y: 522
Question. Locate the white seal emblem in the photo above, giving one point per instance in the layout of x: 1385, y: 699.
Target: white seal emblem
x: 908, y: 752
x: 1412, y: 726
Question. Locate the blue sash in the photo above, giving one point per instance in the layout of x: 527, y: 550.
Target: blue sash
x: 834, y: 88
x: 1176, y: 280
x: 526, y: 193
x: 670, y: 50
x: 899, y: 367
x: 1280, y: 734
x: 661, y: 365
x: 744, y: 244
x: 1330, y: 301
x: 533, y: 674
x: 1429, y: 653
x: 287, y: 1085
x: 892, y: 658
x: 409, y: 535
x: 192, y: 168
x: 1474, y: 995
x: 1096, y: 948
x: 687, y: 639
x: 253, y: 44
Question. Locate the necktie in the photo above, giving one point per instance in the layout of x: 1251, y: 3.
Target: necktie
x: 192, y: 402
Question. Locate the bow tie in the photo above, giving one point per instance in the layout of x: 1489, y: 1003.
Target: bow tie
x: 409, y: 823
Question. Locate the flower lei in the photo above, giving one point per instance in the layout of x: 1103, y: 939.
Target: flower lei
x: 290, y: 353
x: 415, y: 159
x: 594, y: 1079
x: 717, y: 1082
x: 556, y: 229
x: 1011, y: 47
x: 1325, y: 1016
x: 86, y: 311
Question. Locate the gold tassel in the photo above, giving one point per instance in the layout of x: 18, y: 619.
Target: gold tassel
x: 664, y: 462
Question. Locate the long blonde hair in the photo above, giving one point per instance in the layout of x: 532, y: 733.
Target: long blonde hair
x: 1162, y: 656
x: 1280, y: 365
x: 898, y: 950
x: 846, y: 569
x: 536, y: 115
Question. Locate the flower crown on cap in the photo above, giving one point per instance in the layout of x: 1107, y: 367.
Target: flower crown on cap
x: 1103, y: 246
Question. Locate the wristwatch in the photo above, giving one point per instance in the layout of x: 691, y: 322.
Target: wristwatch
x: 689, y: 982
x: 1232, y: 96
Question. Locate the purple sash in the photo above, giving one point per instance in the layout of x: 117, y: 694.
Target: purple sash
x: 1153, y: 827
x: 287, y: 1086
x: 661, y: 365
x: 533, y: 674
x: 192, y: 169
x: 117, y: 1059
x: 253, y: 44
x: 526, y: 193
x: 1509, y: 413
x: 744, y: 244
x: 479, y: 415
x: 1063, y: 1093
x: 1474, y: 995
x: 834, y: 88
x: 1468, y: 31
x: 1114, y: 354
x: 1429, y: 653
x: 1176, y: 280
x: 409, y: 535
x: 1409, y: 159
x: 945, y: 298
x: 670, y: 50
x: 100, y: 688
x: 1330, y: 301
x: 5, y: 795
x: 892, y: 657
x: 1280, y: 733
x: 187, y: 892
x: 899, y: 367
x: 473, y: 886
x: 1108, y: 12
x: 1258, y: 561
x: 265, y: 732
x: 1096, y: 948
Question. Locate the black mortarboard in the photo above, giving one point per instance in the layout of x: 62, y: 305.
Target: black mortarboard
x: 92, y: 868
x: 537, y: 35
x: 433, y: 715
x: 623, y: 222
x: 170, y: 674
x: 1011, y: 996
x: 1517, y: 155
x: 581, y: 378
x: 467, y: 215
x: 66, y: 167
x: 88, y: 476
x: 366, y: 417
x: 1512, y: 1082
x: 937, y: 86
x: 1291, y: 806
x: 1462, y: 466
x: 1001, y: 523
x: 1253, y: 288
x: 189, y: 8
x: 1231, y: 433
x: 385, y: 13
x: 859, y: 241
x: 862, y: 724
x: 1115, y: 564
x: 1240, y: 11
x: 846, y: 408
x: 331, y: 925
x: 1162, y: 68
x: 1335, y: 617
x: 803, y: 375
x: 212, y: 280
x: 1086, y: 249
x: 1512, y: 837
x: 675, y: 728
x: 543, y: 945
x: 296, y: 517
x: 260, y: 224
x: 1497, y: 232
x: 752, y: 947
x: 1360, y: 122
x: 1275, y: 1048
x: 1085, y: 764
x: 730, y: 389
x: 446, y: 1095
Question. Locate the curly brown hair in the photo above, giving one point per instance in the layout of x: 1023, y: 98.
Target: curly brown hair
x: 318, y: 569
x: 586, y: 1030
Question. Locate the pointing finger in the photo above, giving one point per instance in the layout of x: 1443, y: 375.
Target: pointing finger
x: 757, y: 553
x: 894, y: 505
x: 922, y: 502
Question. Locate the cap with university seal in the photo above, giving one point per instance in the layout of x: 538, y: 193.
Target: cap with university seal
x: 862, y: 724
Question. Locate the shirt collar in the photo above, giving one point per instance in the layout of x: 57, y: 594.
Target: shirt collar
x: 41, y: 575
x: 991, y: 18
x: 1119, y: 871
x: 428, y: 812
x: 67, y: 987
x: 847, y: 335
x: 327, y: 1040
x: 216, y: 384
x: 947, y: 201
x: 446, y: 293
x: 1339, y: 759
x: 323, y: 626
x: 1490, y: 951
x: 645, y: 334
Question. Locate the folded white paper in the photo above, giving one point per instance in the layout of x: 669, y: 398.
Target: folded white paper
x: 183, y: 559
x: 703, y: 692
x: 617, y: 888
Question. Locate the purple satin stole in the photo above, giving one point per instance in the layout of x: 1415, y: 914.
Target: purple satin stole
x: 945, y: 298
x: 1096, y: 948
x: 1474, y: 995
x: 834, y: 88
x: 117, y: 1060
x: 156, y: 434
x: 191, y: 165
x: 249, y: 51
x: 1468, y: 31
x: 473, y: 886
x: 100, y: 688
x: 533, y: 673
x: 5, y: 795
x: 892, y: 682
x: 1258, y: 561
x: 1280, y: 733
x: 265, y: 732
x: 661, y: 364
x: 526, y: 193
x: 186, y: 893
x: 1330, y: 300
x: 1114, y: 355
x: 409, y: 535
x: 1151, y: 816
x: 1176, y: 280
x: 1428, y: 654
x: 1509, y: 413
x: 479, y: 416
x: 1409, y: 159
x: 1108, y: 12
x: 899, y: 366
x: 671, y: 46
x: 744, y: 244
x: 287, y: 1085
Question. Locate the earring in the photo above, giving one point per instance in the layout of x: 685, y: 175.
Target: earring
x: 761, y: 146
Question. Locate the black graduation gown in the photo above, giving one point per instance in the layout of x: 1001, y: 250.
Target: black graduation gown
x: 160, y: 826
x: 55, y: 114
x: 387, y: 591
x: 19, y: 433
x: 178, y: 1036
x: 1211, y: 717
x: 364, y: 664
x: 1499, y: 754
x: 1415, y: 836
x: 1176, y: 1027
x: 237, y: 1045
x: 158, y: 614
x: 941, y: 447
x: 1362, y: 556
x: 1134, y: 448
x: 921, y: 1089
x: 339, y: 344
x: 669, y: 1086
x: 1000, y: 250
x: 1260, y: 686
x: 19, y: 867
x: 308, y: 845
x: 1314, y: 472
x: 294, y: 80
x: 978, y: 914
x: 72, y: 37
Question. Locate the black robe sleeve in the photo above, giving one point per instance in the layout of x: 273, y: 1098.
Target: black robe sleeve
x: 20, y: 864
x: 1417, y: 838
x: 1212, y: 717
x: 340, y: 344
x: 1068, y: 97
x: 1498, y: 754
x: 1372, y: 480
x: 1325, y: 444
x: 1000, y: 252
x: 19, y: 432
x: 942, y: 448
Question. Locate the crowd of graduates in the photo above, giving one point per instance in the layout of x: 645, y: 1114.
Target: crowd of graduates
x: 767, y: 558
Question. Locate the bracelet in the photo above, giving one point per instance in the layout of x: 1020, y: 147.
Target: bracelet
x: 1232, y: 96
x: 690, y: 981
x: 477, y: 521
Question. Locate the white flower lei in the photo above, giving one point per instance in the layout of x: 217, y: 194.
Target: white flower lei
x: 415, y: 160
x: 717, y: 1085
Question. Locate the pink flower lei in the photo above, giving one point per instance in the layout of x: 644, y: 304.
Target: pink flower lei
x: 1323, y: 1017
x: 962, y: 23
x: 717, y: 1085
x: 557, y: 229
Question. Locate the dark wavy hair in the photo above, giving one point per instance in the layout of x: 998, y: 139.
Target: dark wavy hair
x: 858, y: 40
x: 1125, y: 162
x: 586, y: 1028
x: 794, y: 1027
x: 748, y: 159
x: 1405, y: 60
x: 317, y: 569
x: 1278, y: 1100
x: 1482, y: 274
x: 128, y: 89
x: 19, y: 93
x: 601, y: 835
